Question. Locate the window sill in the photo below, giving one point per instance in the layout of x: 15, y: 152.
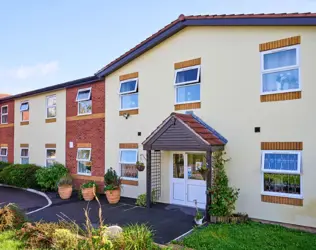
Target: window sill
x: 50, y: 120
x: 84, y: 114
x: 129, y: 111
x: 187, y: 106
x: 129, y: 181
x: 282, y: 199
x: 24, y: 123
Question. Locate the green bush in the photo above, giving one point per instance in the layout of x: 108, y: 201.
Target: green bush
x: 48, y: 177
x: 11, y: 217
x: 63, y: 239
x: 3, y: 165
x: 20, y: 175
x: 142, y: 199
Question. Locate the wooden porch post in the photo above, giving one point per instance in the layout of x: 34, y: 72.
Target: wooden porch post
x: 148, y: 177
x: 208, y: 183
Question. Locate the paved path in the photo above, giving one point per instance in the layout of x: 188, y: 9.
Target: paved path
x: 25, y: 200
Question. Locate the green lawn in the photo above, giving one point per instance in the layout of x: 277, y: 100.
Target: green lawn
x: 8, y: 241
x: 249, y: 236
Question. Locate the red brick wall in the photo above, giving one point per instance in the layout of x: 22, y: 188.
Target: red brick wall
x: 7, y: 130
x: 86, y: 130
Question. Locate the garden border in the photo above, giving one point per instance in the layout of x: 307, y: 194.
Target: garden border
x: 32, y: 191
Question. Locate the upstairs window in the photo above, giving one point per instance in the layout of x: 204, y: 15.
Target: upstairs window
x: 280, y: 70
x: 51, y: 106
x: 83, y: 159
x: 281, y: 172
x: 24, y: 156
x: 84, y: 101
x: 4, y: 114
x: 4, y: 154
x: 187, y: 84
x: 50, y: 156
x: 129, y: 94
x: 24, y: 109
x: 128, y: 159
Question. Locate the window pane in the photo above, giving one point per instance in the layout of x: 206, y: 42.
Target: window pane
x: 187, y: 75
x: 51, y: 101
x: 195, y: 162
x: 128, y: 86
x: 24, y: 106
x: 4, y: 110
x: 280, y: 59
x: 129, y: 171
x: 51, y: 153
x: 4, y: 119
x: 188, y: 93
x: 83, y: 95
x: 281, y: 162
x: 282, y: 80
x: 83, y: 154
x: 3, y: 151
x: 25, y: 115
x: 24, y: 160
x: 83, y: 169
x: 4, y: 158
x: 178, y: 166
x: 282, y: 183
x: 51, y: 112
x: 24, y: 152
x: 129, y: 101
x: 50, y: 163
x: 129, y: 156
x: 85, y: 107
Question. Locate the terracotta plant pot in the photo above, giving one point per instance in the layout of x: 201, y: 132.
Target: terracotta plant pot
x: 88, y: 193
x: 65, y: 191
x: 113, y: 196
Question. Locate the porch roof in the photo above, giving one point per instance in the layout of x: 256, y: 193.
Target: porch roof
x: 184, y: 132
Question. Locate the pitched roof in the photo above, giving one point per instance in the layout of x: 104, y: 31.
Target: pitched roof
x: 270, y: 19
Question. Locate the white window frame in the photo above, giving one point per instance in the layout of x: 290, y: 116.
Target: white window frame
x: 127, y: 163
x: 3, y: 114
x: 84, y: 99
x: 183, y: 86
x: 83, y: 160
x: 273, y: 171
x: 126, y: 93
x: 24, y: 157
x: 24, y: 110
x: 266, y: 71
x: 46, y: 149
x: 6, y: 155
x: 197, y: 80
x: 51, y: 106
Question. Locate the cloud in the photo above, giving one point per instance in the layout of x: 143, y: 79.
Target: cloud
x: 25, y: 72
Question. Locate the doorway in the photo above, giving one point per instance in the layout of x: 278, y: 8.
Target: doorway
x: 187, y: 184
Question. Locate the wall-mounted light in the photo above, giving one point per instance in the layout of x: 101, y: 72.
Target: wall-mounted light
x: 126, y: 115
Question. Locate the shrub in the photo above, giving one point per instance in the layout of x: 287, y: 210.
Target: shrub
x: 64, y: 239
x: 141, y: 199
x: 20, y: 175
x: 9, y: 242
x: 3, y: 165
x: 65, y: 180
x: 223, y: 196
x: 47, y: 178
x: 11, y: 216
x: 111, y: 180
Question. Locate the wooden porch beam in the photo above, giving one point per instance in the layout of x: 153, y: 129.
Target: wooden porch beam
x: 208, y: 183
x: 148, y: 179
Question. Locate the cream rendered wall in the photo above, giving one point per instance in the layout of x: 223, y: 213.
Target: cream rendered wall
x: 230, y: 97
x: 38, y: 133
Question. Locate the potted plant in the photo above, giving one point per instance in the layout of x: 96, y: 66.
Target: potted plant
x: 140, y: 166
x: 88, y: 190
x: 198, y: 218
x: 65, y: 187
x: 112, y: 186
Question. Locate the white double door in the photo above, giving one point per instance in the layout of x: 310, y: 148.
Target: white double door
x: 187, y: 184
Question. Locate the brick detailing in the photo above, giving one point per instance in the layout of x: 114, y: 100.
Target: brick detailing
x: 83, y: 145
x: 86, y: 131
x: 128, y: 145
x: 50, y: 145
x: 130, y: 112
x: 3, y: 145
x: 6, y: 125
x: 281, y: 96
x: 86, y: 117
x: 24, y: 145
x: 24, y: 123
x: 51, y: 120
x: 187, y: 106
x: 280, y: 43
x: 188, y: 63
x: 281, y: 145
x: 130, y: 182
x: 129, y: 76
x: 282, y: 200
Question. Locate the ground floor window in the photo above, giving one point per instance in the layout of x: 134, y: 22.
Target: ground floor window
x: 281, y: 173
x: 84, y: 161
x: 24, y: 156
x: 50, y: 156
x: 128, y: 159
x: 4, y: 154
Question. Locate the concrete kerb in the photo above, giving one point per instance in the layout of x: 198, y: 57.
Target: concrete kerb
x: 32, y: 191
